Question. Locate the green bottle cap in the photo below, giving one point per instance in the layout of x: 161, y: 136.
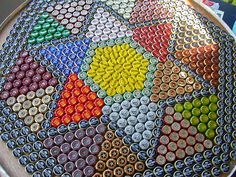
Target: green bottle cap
x: 37, y: 27
x: 188, y: 106
x: 186, y: 114
x: 179, y: 107
x: 204, y: 109
x: 204, y: 118
x: 45, y: 15
x: 205, y: 101
x: 212, y: 115
x: 60, y: 28
x: 48, y: 37
x: 213, y: 99
x: 210, y: 134
x: 40, y: 39
x: 46, y: 25
x: 212, y: 124
x: 196, y: 111
x: 194, y: 121
x: 66, y: 33
x: 41, y: 21
x: 52, y: 30
x: 197, y: 103
x: 43, y: 32
x: 55, y: 24
x: 34, y: 34
x: 57, y: 35
x: 202, y: 127
x: 50, y: 20
x: 31, y: 40
x: 213, y: 107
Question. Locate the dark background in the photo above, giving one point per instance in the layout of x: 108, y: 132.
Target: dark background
x: 7, y: 7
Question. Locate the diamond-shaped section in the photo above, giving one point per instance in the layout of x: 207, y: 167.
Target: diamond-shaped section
x: 204, y: 60
x: 122, y: 7
x: 47, y: 29
x: 27, y: 75
x: 147, y: 10
x: 179, y: 139
x: 32, y: 107
x: 118, y: 69
x: 116, y: 159
x: 105, y: 26
x: 171, y: 80
x: 67, y: 57
x: 71, y: 15
x: 154, y: 39
x: 77, y: 102
x: 202, y: 113
x: 76, y: 151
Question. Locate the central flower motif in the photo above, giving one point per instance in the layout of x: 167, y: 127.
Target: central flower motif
x: 118, y: 69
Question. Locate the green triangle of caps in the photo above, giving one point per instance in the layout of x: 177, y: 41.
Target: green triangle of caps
x: 47, y: 29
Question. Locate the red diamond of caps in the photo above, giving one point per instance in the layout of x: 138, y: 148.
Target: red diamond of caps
x: 172, y: 146
x: 78, y: 102
x: 170, y: 110
x: 190, y: 140
x: 185, y: 123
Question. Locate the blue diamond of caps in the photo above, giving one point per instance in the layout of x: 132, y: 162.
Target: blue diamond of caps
x: 67, y: 57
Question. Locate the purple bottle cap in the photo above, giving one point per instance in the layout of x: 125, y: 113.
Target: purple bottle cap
x: 89, y: 171
x: 77, y: 173
x: 48, y: 143
x: 69, y: 166
x: 24, y: 67
x: 80, y: 163
x: 8, y: 86
x: 24, y: 90
x: 91, y: 160
x: 36, y: 78
x: 98, y: 139
x: 34, y: 65
x: 20, y: 74
x: 90, y: 131
x: 5, y: 95
x: 83, y: 152
x: 11, y: 77
x: 20, y: 61
x: 15, y: 69
x: 73, y: 156
x: 69, y: 136
x: 47, y: 76
x: 53, y: 82
x: 55, y: 151
x: 40, y: 70
x: 30, y: 73
x: 58, y: 140
x: 94, y: 149
x: 17, y: 83
x: 29, y: 59
x: 101, y: 129
x: 79, y: 134
x: 65, y: 148
x: 62, y: 159
x: 75, y: 145
x: 86, y: 141
x: 43, y: 84
x: 24, y: 54
x: 14, y: 92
